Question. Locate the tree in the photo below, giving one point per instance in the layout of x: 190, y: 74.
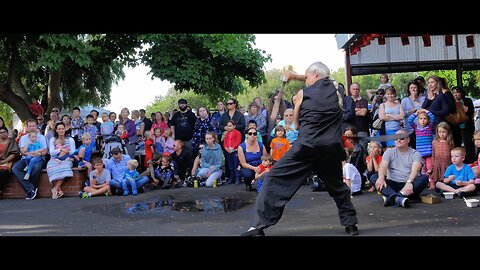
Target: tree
x: 62, y: 70
x: 68, y: 70
x: 205, y: 63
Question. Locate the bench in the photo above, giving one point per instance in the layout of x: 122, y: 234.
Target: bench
x: 71, y: 187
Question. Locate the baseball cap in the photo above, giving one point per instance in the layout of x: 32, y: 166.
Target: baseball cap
x: 182, y: 101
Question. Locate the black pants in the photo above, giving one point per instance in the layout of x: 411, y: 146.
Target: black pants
x: 4, y: 176
x: 286, y: 177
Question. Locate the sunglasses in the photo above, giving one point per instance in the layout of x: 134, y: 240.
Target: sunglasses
x: 401, y: 139
x: 40, y: 119
x: 54, y: 110
x: 252, y: 134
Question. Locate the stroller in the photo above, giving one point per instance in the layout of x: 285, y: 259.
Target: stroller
x: 111, y: 142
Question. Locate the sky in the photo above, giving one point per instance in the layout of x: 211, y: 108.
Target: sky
x: 299, y: 50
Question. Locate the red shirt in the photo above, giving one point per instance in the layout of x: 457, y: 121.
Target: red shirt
x: 232, y: 139
x: 263, y: 168
x: 36, y: 109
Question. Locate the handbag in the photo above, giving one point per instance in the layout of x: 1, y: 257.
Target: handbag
x: 377, y: 124
x: 458, y: 117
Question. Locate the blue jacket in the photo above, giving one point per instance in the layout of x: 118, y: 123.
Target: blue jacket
x: 212, y: 157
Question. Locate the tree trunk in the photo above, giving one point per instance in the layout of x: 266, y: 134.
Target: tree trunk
x: 54, y: 99
x: 15, y: 102
x: 14, y: 64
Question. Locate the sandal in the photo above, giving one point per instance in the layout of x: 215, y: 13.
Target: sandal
x: 54, y: 193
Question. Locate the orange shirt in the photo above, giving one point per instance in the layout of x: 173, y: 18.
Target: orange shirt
x: 378, y: 159
x: 279, y: 147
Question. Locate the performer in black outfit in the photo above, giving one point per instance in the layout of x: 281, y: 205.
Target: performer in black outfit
x: 318, y: 148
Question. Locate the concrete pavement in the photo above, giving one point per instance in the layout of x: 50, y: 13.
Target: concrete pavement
x: 225, y: 211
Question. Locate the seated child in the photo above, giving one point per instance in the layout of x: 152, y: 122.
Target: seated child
x: 153, y: 167
x: 373, y: 161
x: 121, y: 132
x: 459, y: 178
x: 265, y: 167
x: 131, y: 176
x: 351, y: 175
x: 99, y: 181
x: 166, y: 173
x: 31, y: 148
x: 84, y: 152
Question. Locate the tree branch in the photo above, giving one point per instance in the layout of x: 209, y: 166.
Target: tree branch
x: 15, y: 102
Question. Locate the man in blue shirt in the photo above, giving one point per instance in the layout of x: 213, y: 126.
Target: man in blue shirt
x: 117, y: 165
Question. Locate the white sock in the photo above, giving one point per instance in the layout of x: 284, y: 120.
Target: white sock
x: 252, y: 228
x: 89, y: 194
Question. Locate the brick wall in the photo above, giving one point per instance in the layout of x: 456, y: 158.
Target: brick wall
x: 71, y: 187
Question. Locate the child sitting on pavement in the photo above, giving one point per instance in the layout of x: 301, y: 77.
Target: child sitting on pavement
x: 351, y: 175
x: 373, y: 161
x: 459, y: 177
x: 98, y: 181
x: 167, y: 172
x: 131, y: 176
x: 264, y: 167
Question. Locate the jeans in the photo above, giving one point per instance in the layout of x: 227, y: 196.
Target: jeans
x: 34, y: 175
x: 118, y: 185
x: 393, y: 188
x: 231, y: 162
x: 132, y: 183
x: 30, y: 161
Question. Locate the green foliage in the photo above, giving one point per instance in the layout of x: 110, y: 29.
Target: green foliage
x: 170, y: 101
x: 470, y: 80
x: 205, y: 63
x: 6, y: 113
x: 339, y: 76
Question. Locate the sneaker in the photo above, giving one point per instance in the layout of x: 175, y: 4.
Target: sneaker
x: 107, y: 193
x: 401, y: 201
x: 83, y: 194
x: 25, y: 169
x: 252, y: 233
x: 81, y: 165
x: 31, y: 194
x: 351, y: 229
x: 387, y: 201
x: 27, y: 176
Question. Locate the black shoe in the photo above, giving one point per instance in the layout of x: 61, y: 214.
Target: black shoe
x: 351, y: 229
x: 255, y: 232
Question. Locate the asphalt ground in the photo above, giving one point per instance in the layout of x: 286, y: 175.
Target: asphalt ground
x: 226, y: 211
